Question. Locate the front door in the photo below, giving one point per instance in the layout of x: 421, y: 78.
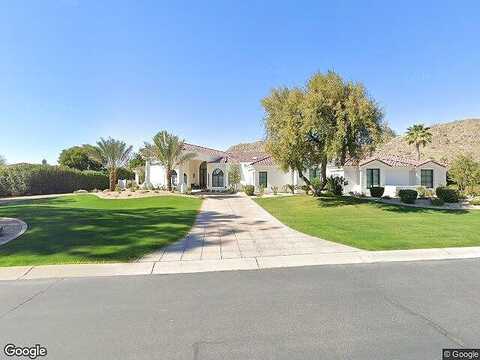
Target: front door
x: 203, y: 175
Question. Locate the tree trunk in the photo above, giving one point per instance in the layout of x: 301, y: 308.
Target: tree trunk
x: 112, y: 176
x: 418, y: 151
x: 169, y: 179
x: 323, y: 178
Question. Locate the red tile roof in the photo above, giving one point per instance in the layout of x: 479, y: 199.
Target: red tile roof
x: 204, y: 150
x: 265, y: 161
x: 391, y: 160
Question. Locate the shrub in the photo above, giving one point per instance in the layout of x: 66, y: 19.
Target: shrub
x: 274, y: 189
x: 317, y: 184
x: 386, y: 197
x: 424, y: 193
x: 446, y: 194
x: 289, y: 188
x: 475, y: 201
x: 407, y: 196
x: 29, y: 179
x: 437, y: 202
x: 377, y: 191
x: 335, y: 185
x: 305, y: 188
x: 125, y: 174
x: 249, y: 189
x: 261, y: 191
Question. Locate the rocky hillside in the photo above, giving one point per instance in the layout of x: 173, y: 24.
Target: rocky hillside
x: 254, y: 147
x: 449, y: 140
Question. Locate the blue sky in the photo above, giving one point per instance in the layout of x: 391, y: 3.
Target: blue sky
x: 72, y: 71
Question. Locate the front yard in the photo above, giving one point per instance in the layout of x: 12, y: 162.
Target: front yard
x: 374, y: 226
x: 84, y: 228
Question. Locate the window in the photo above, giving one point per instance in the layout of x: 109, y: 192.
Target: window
x: 426, y: 178
x: 217, y: 178
x: 373, y: 178
x: 314, y: 172
x: 262, y: 179
x: 174, y: 178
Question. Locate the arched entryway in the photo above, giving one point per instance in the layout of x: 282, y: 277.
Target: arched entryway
x: 174, y: 178
x: 217, y: 178
x: 203, y: 175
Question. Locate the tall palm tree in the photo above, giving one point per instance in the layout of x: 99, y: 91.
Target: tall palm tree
x: 112, y: 154
x: 169, y: 151
x: 419, y: 135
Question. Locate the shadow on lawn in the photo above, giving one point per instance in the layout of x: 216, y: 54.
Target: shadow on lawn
x: 80, y: 234
x: 337, y: 201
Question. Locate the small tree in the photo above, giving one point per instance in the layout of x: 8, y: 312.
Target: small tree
x: 169, y: 151
x: 234, y: 176
x: 112, y: 154
x: 465, y: 172
x: 419, y: 135
x: 79, y: 157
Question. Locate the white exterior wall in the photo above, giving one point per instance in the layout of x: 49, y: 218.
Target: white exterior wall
x: 275, y: 177
x: 158, y: 176
x: 439, y: 174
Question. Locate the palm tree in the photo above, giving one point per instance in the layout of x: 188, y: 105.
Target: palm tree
x: 419, y: 135
x: 169, y: 151
x: 3, y: 162
x: 112, y: 154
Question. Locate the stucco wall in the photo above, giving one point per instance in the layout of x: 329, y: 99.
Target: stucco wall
x: 439, y: 174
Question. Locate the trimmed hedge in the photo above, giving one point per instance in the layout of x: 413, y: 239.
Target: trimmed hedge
x: 407, y: 196
x: 437, y: 202
x: 249, y: 190
x: 446, y: 194
x: 29, y: 179
x: 377, y: 191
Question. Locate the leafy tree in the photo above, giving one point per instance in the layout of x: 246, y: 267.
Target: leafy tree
x: 3, y: 161
x: 419, y: 135
x: 387, y: 133
x: 169, y: 151
x: 44, y: 162
x: 112, y: 154
x: 136, y: 161
x: 465, y: 171
x: 330, y: 120
x: 78, y: 157
x: 234, y: 176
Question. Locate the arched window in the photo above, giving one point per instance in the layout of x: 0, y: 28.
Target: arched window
x: 185, y: 178
x: 174, y: 178
x: 217, y: 178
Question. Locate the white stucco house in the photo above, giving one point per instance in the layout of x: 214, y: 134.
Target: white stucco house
x: 209, y: 169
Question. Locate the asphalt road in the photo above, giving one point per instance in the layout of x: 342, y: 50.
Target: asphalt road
x: 374, y: 311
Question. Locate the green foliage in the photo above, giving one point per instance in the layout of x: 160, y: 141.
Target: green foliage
x: 419, y: 135
x: 3, y: 161
x: 407, y: 196
x: 437, y: 202
x: 335, y: 185
x: 289, y: 188
x: 446, y: 194
x: 77, y: 157
x: 234, y: 176
x: 424, y: 193
x: 27, y: 179
x: 249, y: 190
x: 465, y: 172
x: 136, y: 161
x: 169, y: 151
x: 261, y: 191
x: 274, y: 189
x: 328, y: 120
x: 475, y: 201
x: 377, y: 191
x: 317, y: 185
x: 125, y: 174
x: 305, y: 188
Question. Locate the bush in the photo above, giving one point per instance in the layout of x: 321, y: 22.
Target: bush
x: 317, y: 184
x: 125, y: 174
x: 446, y: 194
x: 29, y: 179
x: 437, y: 202
x: 274, y: 189
x: 334, y: 185
x: 289, y: 188
x: 249, y: 189
x: 261, y: 191
x: 475, y: 201
x: 377, y: 191
x: 407, y: 196
x: 424, y: 193
x: 305, y: 188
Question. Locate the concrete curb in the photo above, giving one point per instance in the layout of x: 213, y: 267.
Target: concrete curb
x: 254, y: 263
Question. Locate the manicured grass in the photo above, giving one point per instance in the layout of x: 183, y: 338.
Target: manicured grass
x: 374, y: 226
x: 84, y: 228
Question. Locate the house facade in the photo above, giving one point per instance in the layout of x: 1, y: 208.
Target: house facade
x: 209, y: 170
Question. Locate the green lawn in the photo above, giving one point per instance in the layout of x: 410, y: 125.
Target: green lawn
x: 372, y: 226
x: 85, y: 228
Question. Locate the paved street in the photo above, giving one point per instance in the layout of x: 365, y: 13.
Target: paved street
x: 365, y: 311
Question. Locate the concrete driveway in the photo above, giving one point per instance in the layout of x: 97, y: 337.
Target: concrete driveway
x: 235, y: 227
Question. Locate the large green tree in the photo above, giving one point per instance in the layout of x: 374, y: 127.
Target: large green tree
x: 330, y: 120
x: 112, y: 154
x: 169, y: 151
x: 465, y: 171
x: 418, y: 135
x: 78, y: 157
